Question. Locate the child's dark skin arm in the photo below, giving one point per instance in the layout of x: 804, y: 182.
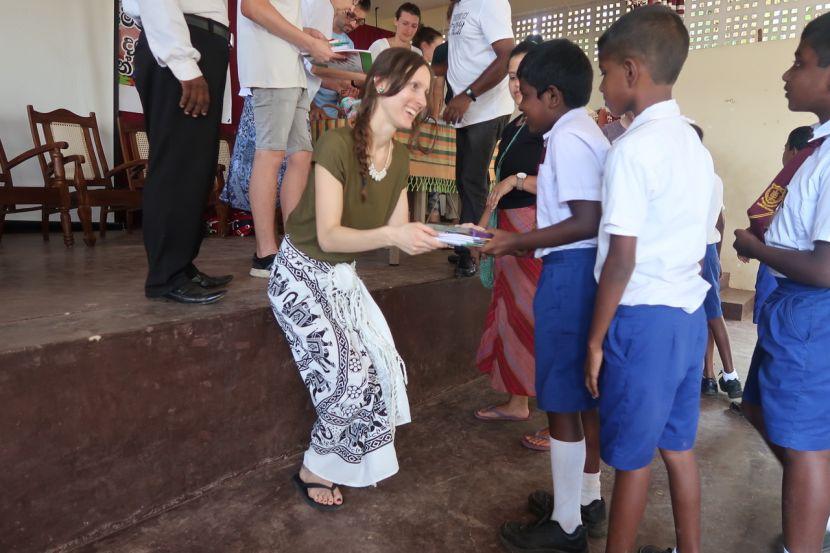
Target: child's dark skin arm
x: 811, y: 268
x: 619, y: 265
x: 581, y: 225
x: 720, y: 225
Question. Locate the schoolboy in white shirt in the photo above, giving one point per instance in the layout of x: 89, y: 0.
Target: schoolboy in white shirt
x: 788, y: 386
x: 555, y: 80
x: 648, y: 333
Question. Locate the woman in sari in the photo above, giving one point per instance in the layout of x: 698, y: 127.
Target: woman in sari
x: 506, y: 348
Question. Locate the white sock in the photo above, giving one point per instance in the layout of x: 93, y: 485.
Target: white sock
x: 730, y: 376
x: 828, y: 525
x: 567, y: 463
x: 784, y: 549
x: 591, y: 488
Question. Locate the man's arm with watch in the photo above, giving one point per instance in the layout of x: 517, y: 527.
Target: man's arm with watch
x: 490, y: 77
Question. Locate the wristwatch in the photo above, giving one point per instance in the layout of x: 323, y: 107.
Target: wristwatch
x: 520, y: 180
x: 469, y: 92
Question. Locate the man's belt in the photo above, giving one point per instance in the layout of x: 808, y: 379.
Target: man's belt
x: 208, y: 24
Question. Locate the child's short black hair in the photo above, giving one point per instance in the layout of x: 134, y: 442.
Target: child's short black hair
x: 654, y: 34
x: 799, y: 137
x: 562, y: 64
x: 408, y: 7
x: 817, y: 35
x: 525, y: 46
x: 364, y: 5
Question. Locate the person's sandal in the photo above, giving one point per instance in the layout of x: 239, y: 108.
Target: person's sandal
x: 538, y: 441
x: 304, y: 487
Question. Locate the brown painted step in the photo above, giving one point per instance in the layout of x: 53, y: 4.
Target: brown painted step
x: 736, y: 303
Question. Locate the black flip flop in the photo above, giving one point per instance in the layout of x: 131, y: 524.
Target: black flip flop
x: 303, y: 488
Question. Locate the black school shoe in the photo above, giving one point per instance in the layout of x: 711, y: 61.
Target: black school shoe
x: 261, y: 266
x: 732, y: 388
x: 544, y: 536
x: 594, y: 515
x: 708, y: 387
x: 654, y: 549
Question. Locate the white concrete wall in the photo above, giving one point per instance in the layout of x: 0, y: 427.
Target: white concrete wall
x: 54, y: 54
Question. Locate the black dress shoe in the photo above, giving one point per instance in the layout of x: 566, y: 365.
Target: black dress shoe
x: 194, y: 294
x: 207, y: 281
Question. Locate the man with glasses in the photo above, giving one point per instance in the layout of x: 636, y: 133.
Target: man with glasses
x: 344, y: 22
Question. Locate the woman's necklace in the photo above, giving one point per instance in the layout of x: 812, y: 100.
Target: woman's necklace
x: 380, y: 175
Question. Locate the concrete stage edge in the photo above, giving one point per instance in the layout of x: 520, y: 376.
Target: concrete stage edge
x: 97, y: 433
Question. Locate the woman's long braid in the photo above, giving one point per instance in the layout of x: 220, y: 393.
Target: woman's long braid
x: 363, y: 143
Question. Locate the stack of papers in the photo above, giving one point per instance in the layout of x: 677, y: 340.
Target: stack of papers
x: 356, y: 61
x: 461, y: 236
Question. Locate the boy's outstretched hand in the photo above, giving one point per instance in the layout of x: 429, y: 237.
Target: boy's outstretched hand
x: 746, y: 243
x: 593, y: 364
x: 502, y: 243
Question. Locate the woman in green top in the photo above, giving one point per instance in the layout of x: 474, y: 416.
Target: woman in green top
x: 355, y: 202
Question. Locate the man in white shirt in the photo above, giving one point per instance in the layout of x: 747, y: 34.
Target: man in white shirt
x: 333, y: 81
x: 270, y: 41
x: 407, y: 21
x: 480, y: 40
x: 181, y: 63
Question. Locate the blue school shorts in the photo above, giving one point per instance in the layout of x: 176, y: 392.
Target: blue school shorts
x: 765, y: 283
x: 711, y: 274
x: 562, y: 309
x: 650, y: 383
x: 789, y: 377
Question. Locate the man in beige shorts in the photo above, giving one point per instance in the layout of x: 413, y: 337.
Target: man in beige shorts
x: 270, y: 64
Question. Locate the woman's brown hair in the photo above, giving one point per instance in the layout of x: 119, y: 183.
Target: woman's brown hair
x: 395, y: 67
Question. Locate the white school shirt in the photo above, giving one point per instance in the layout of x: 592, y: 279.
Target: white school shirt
x: 317, y: 14
x: 162, y: 22
x: 382, y: 44
x: 715, y: 209
x: 475, y: 26
x: 575, y: 151
x: 264, y: 60
x: 804, y: 217
x: 657, y: 187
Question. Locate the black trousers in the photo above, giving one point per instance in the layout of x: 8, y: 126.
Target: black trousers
x: 183, y: 157
x: 475, y: 145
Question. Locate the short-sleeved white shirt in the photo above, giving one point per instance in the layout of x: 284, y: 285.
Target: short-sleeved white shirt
x: 715, y: 209
x: 575, y: 151
x: 475, y: 26
x: 264, y: 60
x: 804, y: 217
x: 382, y: 44
x: 316, y: 14
x: 657, y: 187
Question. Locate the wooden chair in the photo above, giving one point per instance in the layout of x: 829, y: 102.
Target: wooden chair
x: 89, y: 170
x: 318, y: 113
x: 53, y: 197
x: 135, y: 146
